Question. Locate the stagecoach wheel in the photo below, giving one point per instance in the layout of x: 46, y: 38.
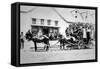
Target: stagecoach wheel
x: 79, y: 47
x: 68, y: 47
x: 90, y: 45
x: 79, y: 44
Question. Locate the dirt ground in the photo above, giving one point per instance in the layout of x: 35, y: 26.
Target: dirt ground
x: 29, y: 56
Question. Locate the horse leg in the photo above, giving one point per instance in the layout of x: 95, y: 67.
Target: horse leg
x: 46, y: 41
x: 63, y: 45
x: 35, y: 46
x: 60, y: 46
x: 47, y: 48
x: 48, y: 45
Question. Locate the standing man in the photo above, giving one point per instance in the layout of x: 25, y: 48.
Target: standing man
x: 84, y: 34
x: 22, y: 40
x: 88, y: 34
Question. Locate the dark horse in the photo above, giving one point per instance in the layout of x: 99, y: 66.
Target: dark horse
x: 36, y: 40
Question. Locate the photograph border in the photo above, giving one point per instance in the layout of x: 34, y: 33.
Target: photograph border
x: 18, y: 4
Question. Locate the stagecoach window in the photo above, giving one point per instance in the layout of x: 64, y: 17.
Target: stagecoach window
x: 42, y: 21
x: 49, y: 21
x: 56, y: 23
x: 34, y: 20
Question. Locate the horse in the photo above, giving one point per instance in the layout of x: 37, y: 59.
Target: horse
x: 36, y: 40
x: 68, y: 43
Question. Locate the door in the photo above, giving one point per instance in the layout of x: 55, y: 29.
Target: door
x: 45, y: 31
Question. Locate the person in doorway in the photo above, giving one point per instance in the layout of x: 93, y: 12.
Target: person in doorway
x: 51, y: 35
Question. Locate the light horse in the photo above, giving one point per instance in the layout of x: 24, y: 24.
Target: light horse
x: 36, y: 40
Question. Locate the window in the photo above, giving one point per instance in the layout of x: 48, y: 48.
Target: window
x: 49, y: 21
x: 42, y: 21
x: 33, y: 20
x: 75, y: 16
x: 56, y: 23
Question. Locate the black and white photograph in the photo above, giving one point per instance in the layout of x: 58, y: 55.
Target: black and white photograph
x: 56, y: 34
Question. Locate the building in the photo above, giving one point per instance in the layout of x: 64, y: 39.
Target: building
x: 45, y: 26
x: 46, y: 20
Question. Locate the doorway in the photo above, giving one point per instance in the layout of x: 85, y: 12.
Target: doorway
x: 45, y: 31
